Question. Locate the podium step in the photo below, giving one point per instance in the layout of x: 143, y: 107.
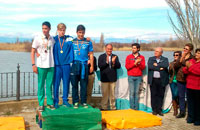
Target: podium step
x: 69, y: 118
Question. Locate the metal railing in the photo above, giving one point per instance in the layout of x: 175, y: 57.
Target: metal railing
x: 24, y: 85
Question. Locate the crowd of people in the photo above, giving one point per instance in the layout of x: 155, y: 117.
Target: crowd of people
x: 72, y: 60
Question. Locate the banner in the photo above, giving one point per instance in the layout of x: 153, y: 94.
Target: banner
x: 122, y: 92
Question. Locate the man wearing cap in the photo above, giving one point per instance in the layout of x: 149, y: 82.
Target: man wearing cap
x: 43, y: 46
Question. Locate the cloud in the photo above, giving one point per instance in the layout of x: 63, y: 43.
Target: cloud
x: 156, y: 36
x: 27, y: 10
x: 114, y: 18
x: 88, y: 5
x: 23, y: 17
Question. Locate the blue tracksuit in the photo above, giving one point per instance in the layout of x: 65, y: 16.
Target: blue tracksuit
x: 79, y: 71
x: 62, y: 66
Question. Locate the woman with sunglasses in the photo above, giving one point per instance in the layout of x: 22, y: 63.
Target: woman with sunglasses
x: 192, y: 70
x: 173, y: 81
x: 180, y: 77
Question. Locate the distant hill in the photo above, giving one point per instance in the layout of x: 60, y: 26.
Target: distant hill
x: 119, y: 40
x: 96, y: 39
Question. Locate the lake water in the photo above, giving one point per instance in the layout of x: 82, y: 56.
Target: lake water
x: 10, y: 59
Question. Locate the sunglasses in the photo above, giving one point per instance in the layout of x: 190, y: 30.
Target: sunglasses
x: 185, y: 49
x: 176, y: 55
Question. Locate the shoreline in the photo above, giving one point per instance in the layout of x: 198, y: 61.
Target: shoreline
x: 26, y: 47
x: 16, y: 47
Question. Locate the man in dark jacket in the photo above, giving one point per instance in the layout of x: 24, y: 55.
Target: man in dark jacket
x: 108, y: 64
x: 158, y: 78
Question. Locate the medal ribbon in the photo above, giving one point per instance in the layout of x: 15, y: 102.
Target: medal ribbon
x: 61, y: 46
x: 79, y: 48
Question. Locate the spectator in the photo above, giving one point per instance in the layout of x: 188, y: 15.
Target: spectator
x: 91, y: 77
x: 173, y: 81
x: 192, y: 70
x: 180, y: 77
x: 108, y: 64
x: 158, y: 78
x: 135, y: 64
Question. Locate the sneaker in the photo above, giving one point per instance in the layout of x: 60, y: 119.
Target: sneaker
x: 56, y: 106
x: 154, y: 113
x: 190, y: 121
x: 102, y: 109
x: 41, y: 108
x: 66, y: 104
x: 160, y: 113
x: 196, y: 123
x: 181, y: 115
x: 76, y: 105
x: 85, y: 105
x: 51, y: 107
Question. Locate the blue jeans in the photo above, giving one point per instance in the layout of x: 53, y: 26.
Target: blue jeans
x: 76, y: 76
x: 134, y: 84
x: 174, y: 90
x: 61, y: 72
x: 181, y: 94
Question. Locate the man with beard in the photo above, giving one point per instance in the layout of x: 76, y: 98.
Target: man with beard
x: 135, y: 64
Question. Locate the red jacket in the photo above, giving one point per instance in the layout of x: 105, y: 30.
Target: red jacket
x: 132, y: 69
x: 193, y: 75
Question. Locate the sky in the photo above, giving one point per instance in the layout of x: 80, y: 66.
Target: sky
x: 142, y: 19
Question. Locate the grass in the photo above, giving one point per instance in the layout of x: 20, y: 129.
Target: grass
x: 172, y: 49
x: 147, y: 49
x: 26, y: 47
x: 122, y: 49
x: 19, y: 47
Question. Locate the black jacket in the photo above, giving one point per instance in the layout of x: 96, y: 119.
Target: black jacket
x: 108, y: 74
x: 95, y: 66
x: 164, y: 75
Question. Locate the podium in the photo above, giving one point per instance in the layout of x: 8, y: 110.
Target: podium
x: 129, y: 119
x: 68, y: 118
x: 12, y: 123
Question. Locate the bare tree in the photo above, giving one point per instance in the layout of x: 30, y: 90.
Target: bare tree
x: 187, y: 25
x: 102, y: 40
x: 17, y: 40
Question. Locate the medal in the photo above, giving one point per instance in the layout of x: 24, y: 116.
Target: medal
x: 79, y: 48
x: 61, y: 46
x: 46, y: 44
